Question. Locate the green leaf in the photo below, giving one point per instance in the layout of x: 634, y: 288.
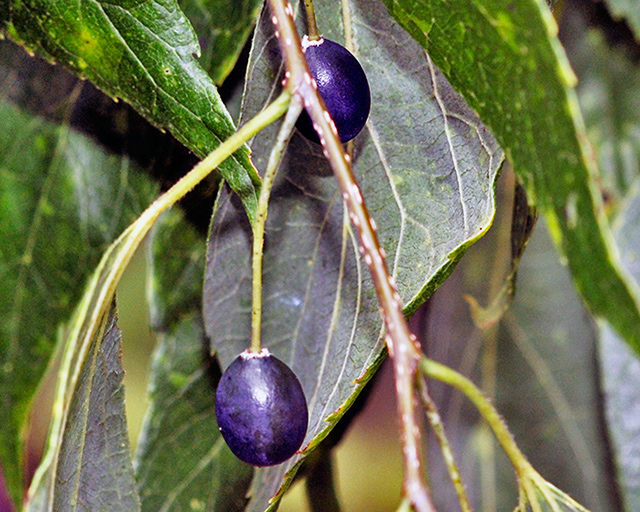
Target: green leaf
x: 93, y: 308
x: 538, y: 368
x: 608, y: 90
x: 53, y: 180
x: 427, y: 169
x: 547, y: 375
x: 86, y: 328
x: 629, y: 10
x: 177, y: 264
x: 94, y: 469
x: 144, y: 53
x: 504, y: 58
x: 182, y: 461
x: 223, y: 28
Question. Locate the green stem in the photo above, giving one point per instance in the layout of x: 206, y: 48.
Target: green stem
x: 312, y: 27
x: 219, y: 155
x: 275, y: 157
x: 445, y: 447
x: 405, y: 506
x: 531, y: 485
x: 449, y: 376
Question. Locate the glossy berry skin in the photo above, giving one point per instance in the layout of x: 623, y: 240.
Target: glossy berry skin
x: 342, y: 85
x: 261, y: 409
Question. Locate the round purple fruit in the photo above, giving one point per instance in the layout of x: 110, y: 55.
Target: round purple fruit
x: 261, y: 409
x: 342, y: 85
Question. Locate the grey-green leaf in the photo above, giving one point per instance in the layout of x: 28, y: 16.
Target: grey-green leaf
x: 621, y: 371
x: 609, y: 95
x: 608, y: 90
x: 504, y: 58
x: 144, y: 53
x: 182, y: 462
x: 427, y: 169
x: 53, y: 180
x: 94, y: 469
x: 620, y: 377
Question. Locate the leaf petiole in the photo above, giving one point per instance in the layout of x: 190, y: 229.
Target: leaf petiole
x: 531, y: 484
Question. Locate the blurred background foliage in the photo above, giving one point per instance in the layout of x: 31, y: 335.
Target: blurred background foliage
x: 540, y: 364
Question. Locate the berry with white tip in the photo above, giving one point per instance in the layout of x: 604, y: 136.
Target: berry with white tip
x: 261, y: 409
x: 343, y: 86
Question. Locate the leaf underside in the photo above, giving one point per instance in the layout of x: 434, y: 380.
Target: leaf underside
x: 92, y: 469
x: 427, y: 168
x: 539, y: 370
x: 620, y: 371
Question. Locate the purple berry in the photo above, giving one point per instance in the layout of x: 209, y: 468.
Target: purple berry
x: 342, y: 85
x: 261, y: 409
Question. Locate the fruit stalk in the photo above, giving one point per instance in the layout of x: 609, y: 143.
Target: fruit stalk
x: 312, y: 27
x: 403, y: 346
x: 295, y: 107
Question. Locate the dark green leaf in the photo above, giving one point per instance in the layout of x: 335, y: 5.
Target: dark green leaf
x: 182, y: 461
x: 94, y: 469
x: 223, y: 28
x: 177, y: 265
x: 144, y: 53
x: 427, y: 169
x: 503, y: 57
x: 63, y: 199
x: 608, y: 90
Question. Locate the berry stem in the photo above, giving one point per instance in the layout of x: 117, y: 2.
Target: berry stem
x: 403, y: 346
x: 295, y: 108
x: 99, y: 293
x: 312, y: 27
